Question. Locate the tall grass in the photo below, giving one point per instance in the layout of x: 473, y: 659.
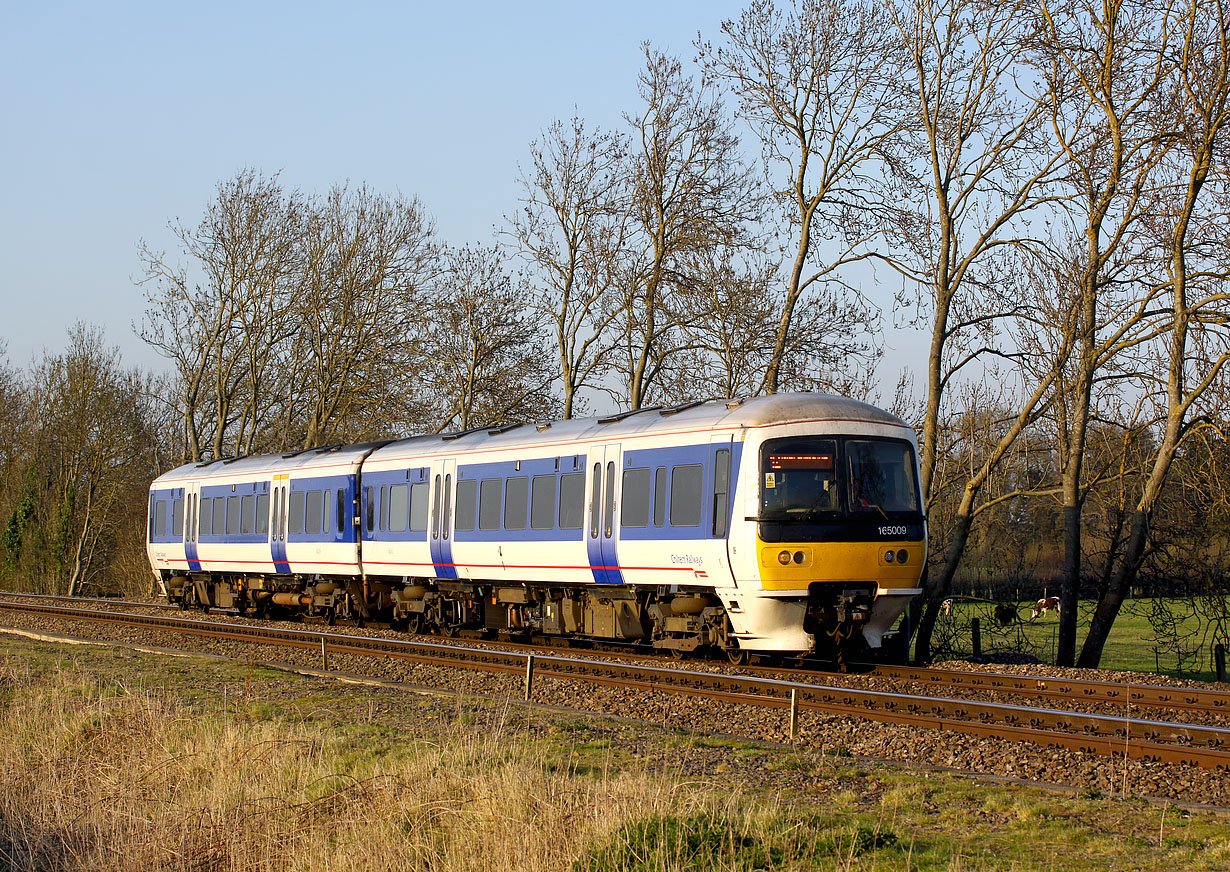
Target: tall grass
x: 102, y: 777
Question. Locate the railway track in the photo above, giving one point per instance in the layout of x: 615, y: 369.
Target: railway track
x: 1061, y: 690
x: 1164, y: 741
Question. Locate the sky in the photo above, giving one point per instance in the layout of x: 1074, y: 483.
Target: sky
x: 117, y: 119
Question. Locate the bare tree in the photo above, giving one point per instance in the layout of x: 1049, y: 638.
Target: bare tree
x: 217, y: 323
x: 486, y: 357
x: 1103, y: 62
x: 571, y: 227
x: 1197, y: 344
x: 688, y: 192
x: 368, y: 259
x: 820, y: 85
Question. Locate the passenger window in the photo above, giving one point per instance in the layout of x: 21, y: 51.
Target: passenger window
x: 659, y: 496
x: 341, y: 510
x: 371, y: 509
x: 610, y: 499
x: 384, y: 508
x: 314, y: 501
x: 516, y: 502
x: 489, y: 493
x: 177, y: 518
x: 685, y: 495
x: 262, y: 515
x: 160, y: 518
x: 298, y: 500
x: 399, y: 506
x: 467, y: 504
x: 247, y: 515
x: 435, y: 512
x: 418, y: 507
x: 721, y: 490
x: 634, y: 506
x: 542, y: 503
x: 448, y: 503
x: 572, y: 501
x: 232, y: 516
x: 153, y: 514
x: 219, y: 518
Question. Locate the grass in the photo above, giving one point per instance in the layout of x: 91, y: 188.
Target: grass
x: 117, y: 760
x: 1134, y: 643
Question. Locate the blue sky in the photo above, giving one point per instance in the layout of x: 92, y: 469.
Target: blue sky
x: 117, y: 118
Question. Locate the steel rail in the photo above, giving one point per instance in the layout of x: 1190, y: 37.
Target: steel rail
x: 1077, y: 690
x: 1163, y: 741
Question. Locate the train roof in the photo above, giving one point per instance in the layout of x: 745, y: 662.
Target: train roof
x: 765, y: 411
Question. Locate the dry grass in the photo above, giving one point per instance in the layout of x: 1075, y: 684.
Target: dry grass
x: 98, y: 778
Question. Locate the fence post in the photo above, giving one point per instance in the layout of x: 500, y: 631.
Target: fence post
x: 529, y: 676
x: 794, y: 714
x: 324, y: 654
x: 975, y: 629
x: 1219, y: 658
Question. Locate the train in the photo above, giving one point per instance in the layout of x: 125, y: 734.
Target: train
x: 787, y: 525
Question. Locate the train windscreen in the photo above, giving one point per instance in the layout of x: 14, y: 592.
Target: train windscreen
x: 812, y: 478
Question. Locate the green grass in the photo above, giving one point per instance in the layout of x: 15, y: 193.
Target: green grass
x: 1134, y: 644
x: 117, y: 760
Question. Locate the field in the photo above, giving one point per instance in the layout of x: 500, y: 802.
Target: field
x: 119, y: 760
x: 1169, y: 636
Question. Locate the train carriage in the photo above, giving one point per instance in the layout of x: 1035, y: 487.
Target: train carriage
x: 782, y: 524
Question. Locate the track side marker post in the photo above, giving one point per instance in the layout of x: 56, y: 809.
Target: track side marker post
x: 794, y: 714
x: 529, y: 675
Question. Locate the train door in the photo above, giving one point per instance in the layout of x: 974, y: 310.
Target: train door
x: 277, y: 523
x: 443, y: 474
x: 721, y: 498
x: 603, y: 532
x: 192, y: 508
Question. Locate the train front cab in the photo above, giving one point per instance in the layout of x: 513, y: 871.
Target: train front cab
x: 836, y: 533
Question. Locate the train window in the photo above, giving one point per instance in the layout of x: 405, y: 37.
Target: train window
x: 298, y: 500
x: 572, y: 501
x: 247, y: 515
x: 634, y: 506
x: 685, y: 495
x: 177, y: 518
x: 313, y: 501
x: 371, y: 509
x: 282, y: 515
x: 595, y: 502
x: 219, y: 516
x: 204, y: 517
x: 261, y: 525
x: 153, y: 512
x: 384, y: 508
x: 435, y: 512
x: 448, y: 503
x: 881, y: 477
x: 467, y: 504
x: 542, y: 503
x: 516, y: 502
x: 659, y: 496
x: 418, y: 507
x: 277, y: 504
x: 399, y: 511
x: 341, y: 509
x: 489, y: 493
x: 721, y: 490
x: 232, y: 516
x: 610, y: 499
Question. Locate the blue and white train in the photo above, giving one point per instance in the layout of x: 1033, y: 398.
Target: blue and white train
x: 786, y: 524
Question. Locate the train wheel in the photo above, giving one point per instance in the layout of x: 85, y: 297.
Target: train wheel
x: 678, y: 654
x: 414, y: 623
x: 737, y: 656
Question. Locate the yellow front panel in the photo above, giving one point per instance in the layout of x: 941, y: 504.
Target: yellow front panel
x: 839, y: 561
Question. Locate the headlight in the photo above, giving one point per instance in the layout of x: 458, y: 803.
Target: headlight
x: 799, y: 557
x: 784, y: 558
x: 888, y: 556
x: 903, y: 556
